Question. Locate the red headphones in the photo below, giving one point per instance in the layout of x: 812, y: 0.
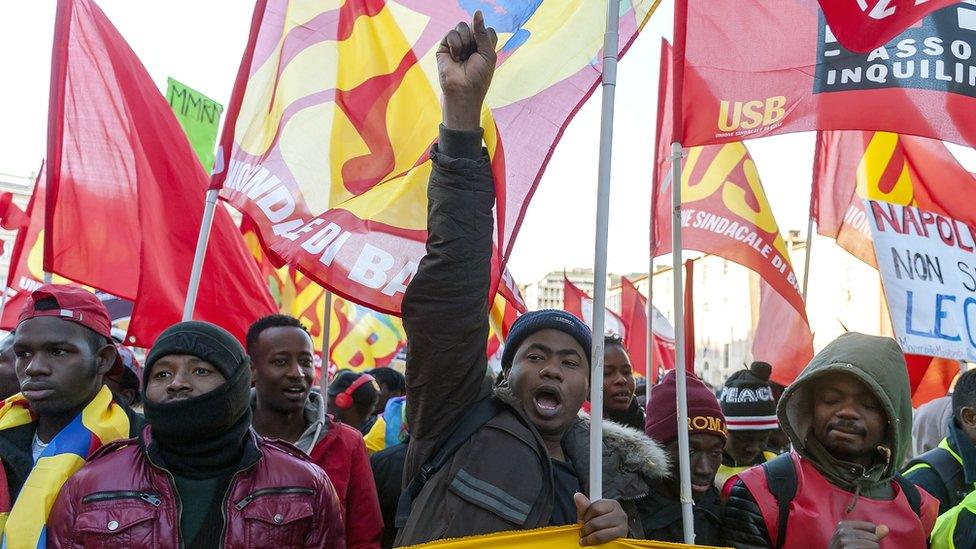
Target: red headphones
x: 344, y: 399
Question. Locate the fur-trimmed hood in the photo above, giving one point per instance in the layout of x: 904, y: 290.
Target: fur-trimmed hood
x: 631, y: 459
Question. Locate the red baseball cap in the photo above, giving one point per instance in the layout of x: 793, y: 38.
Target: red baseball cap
x: 68, y: 303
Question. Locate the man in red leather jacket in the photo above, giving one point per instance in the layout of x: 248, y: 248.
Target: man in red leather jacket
x: 198, y: 476
x: 849, y: 418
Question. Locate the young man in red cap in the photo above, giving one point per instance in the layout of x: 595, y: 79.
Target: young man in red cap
x: 484, y: 459
x: 660, y: 510
x: 63, y: 348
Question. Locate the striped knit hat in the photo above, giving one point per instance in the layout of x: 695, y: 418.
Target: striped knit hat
x: 747, y: 399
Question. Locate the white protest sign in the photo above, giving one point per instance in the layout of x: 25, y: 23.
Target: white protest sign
x: 928, y: 268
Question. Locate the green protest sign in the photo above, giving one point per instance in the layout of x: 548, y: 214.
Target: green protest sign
x: 199, y: 115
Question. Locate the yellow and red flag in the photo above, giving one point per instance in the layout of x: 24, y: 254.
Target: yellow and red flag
x: 337, y: 104
x: 360, y: 338
x: 911, y: 171
x: 853, y: 166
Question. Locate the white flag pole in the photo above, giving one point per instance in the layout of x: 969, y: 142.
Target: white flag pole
x: 200, y: 254
x: 649, y: 358
x: 684, y: 455
x: 326, y: 344
x: 610, y: 41
x: 806, y: 258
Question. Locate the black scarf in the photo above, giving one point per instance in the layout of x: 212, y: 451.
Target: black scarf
x: 203, y: 436
x: 632, y: 417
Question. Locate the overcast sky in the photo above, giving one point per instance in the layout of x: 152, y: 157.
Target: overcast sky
x: 200, y: 44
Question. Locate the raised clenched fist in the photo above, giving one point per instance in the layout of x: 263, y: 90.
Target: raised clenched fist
x: 465, y: 64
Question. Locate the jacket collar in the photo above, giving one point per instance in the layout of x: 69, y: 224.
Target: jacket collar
x: 966, y: 450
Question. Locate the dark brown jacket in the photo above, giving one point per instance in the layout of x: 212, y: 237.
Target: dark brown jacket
x: 501, y: 479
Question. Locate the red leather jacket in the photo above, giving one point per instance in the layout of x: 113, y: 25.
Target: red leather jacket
x: 121, y: 498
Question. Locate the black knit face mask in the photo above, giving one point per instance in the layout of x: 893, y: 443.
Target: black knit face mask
x: 203, y: 434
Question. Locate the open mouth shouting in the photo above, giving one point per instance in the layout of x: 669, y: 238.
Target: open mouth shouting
x: 548, y: 401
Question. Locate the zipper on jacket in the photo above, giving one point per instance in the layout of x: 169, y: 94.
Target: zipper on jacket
x: 150, y: 498
x: 223, y: 504
x: 176, y: 495
x: 266, y: 491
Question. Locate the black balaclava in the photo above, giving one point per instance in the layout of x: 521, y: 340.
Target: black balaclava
x: 203, y: 435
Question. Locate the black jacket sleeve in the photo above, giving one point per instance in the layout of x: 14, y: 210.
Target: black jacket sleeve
x: 928, y: 479
x: 445, y: 307
x: 743, y: 526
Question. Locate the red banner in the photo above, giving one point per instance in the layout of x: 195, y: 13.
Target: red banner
x: 868, y: 24
x: 901, y: 169
x: 577, y: 302
x: 26, y: 271
x: 337, y: 104
x: 125, y: 191
x: 752, y: 68
x: 930, y: 377
x: 633, y: 311
x: 783, y: 337
x: 724, y: 208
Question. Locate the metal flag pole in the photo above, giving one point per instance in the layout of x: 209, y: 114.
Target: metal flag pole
x: 684, y: 456
x: 806, y: 258
x: 200, y: 254
x: 649, y: 367
x: 326, y: 344
x: 610, y: 41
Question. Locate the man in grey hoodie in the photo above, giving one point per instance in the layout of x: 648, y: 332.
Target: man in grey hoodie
x: 285, y: 407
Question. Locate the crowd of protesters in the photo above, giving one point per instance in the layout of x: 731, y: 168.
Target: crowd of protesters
x: 236, y: 447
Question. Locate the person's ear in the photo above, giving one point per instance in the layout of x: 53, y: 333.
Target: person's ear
x: 968, y: 416
x: 105, y: 358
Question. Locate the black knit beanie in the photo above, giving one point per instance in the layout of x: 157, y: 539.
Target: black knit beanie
x: 201, y: 436
x: 747, y: 399
x: 203, y: 340
x: 546, y: 319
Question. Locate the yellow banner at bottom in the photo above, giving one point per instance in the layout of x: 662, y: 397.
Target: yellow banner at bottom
x: 557, y: 537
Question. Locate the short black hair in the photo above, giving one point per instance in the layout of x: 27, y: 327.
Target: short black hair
x: 270, y: 321
x: 390, y: 378
x: 964, y: 394
x: 613, y: 339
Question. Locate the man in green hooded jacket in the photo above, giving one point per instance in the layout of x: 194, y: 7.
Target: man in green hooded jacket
x: 849, y: 417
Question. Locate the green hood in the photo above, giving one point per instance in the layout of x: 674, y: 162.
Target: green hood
x: 879, y: 363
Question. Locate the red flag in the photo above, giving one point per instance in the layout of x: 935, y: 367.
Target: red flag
x: 12, y: 217
x: 633, y: 311
x: 868, y: 24
x: 783, y: 337
x: 26, y: 272
x: 901, y: 169
x: 724, y: 207
x: 578, y: 303
x: 752, y: 68
x: 930, y: 377
x: 125, y: 190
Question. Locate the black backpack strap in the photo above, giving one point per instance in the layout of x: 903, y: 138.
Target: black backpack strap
x: 912, y: 494
x: 948, y: 469
x: 781, y: 479
x: 474, y: 419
